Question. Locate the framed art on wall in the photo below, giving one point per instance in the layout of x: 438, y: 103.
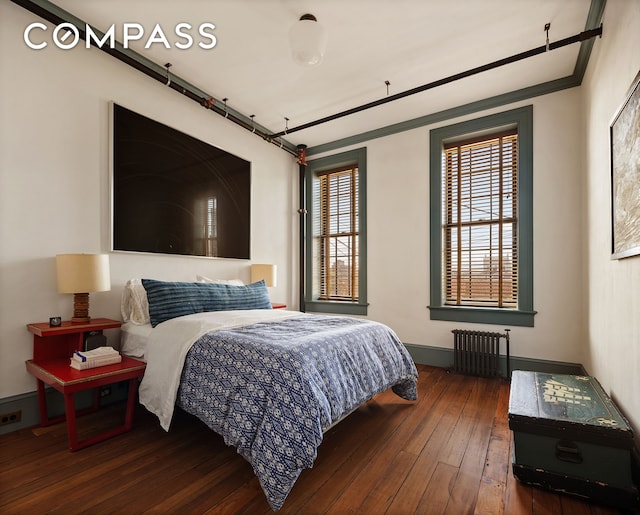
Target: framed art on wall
x: 625, y: 176
x: 175, y: 194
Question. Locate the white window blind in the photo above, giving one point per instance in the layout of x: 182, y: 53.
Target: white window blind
x: 480, y: 204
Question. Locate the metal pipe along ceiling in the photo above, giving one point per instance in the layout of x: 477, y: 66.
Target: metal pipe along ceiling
x: 583, y: 36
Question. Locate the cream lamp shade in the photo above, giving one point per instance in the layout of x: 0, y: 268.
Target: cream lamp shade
x: 264, y: 272
x: 81, y: 274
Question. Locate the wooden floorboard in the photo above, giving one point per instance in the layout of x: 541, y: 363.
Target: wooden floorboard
x: 448, y: 452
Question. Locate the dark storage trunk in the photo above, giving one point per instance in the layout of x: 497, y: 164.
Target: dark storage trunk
x: 570, y: 437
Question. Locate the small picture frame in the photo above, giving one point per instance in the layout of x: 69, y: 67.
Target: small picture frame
x: 55, y: 321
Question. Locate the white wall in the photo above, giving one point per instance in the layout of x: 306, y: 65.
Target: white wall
x: 54, y: 185
x: 612, y: 347
x: 398, y: 234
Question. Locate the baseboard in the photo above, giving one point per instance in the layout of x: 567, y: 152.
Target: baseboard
x: 443, y: 357
x: 27, y: 404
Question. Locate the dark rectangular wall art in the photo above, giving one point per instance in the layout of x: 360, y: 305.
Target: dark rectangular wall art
x: 175, y: 194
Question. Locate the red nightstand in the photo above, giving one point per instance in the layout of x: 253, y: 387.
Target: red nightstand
x: 52, y: 350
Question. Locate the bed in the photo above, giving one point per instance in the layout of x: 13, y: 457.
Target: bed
x: 271, y: 382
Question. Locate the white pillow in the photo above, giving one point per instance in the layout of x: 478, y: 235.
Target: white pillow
x: 135, y: 306
x: 232, y: 282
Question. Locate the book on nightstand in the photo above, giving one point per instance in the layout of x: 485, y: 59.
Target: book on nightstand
x: 95, y: 358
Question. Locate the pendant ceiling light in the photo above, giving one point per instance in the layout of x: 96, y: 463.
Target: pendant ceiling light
x: 308, y: 40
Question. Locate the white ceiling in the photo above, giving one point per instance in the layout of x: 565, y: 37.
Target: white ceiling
x: 406, y: 42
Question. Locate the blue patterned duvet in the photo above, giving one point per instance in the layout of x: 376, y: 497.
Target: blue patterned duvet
x: 271, y: 388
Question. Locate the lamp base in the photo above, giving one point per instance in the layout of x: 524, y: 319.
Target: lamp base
x: 80, y: 308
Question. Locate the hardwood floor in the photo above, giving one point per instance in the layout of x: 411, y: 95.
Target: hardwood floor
x: 447, y: 453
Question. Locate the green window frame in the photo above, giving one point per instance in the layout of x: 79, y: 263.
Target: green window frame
x: 521, y: 120
x: 341, y: 223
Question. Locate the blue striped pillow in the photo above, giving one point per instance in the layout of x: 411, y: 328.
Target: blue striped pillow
x: 169, y: 300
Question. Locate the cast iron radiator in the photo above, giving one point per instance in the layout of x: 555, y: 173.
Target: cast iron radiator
x: 478, y: 353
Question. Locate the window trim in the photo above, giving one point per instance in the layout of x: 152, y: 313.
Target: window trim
x: 356, y: 157
x: 522, y: 119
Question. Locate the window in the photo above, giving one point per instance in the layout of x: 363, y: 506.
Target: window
x: 336, y: 265
x: 338, y: 235
x: 481, y: 220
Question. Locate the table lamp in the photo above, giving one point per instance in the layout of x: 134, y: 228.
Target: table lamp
x: 81, y: 274
x: 264, y: 272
